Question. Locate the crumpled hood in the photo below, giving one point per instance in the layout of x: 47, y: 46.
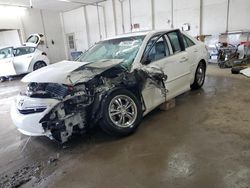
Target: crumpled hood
x: 70, y: 72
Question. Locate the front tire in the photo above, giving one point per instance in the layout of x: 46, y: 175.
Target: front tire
x: 122, y: 113
x: 200, y: 75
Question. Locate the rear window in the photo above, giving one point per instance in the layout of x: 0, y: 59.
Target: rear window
x: 188, y: 42
x: 24, y: 51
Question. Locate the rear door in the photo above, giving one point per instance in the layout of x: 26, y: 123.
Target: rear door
x: 177, y: 67
x: 23, y: 58
x: 193, y: 53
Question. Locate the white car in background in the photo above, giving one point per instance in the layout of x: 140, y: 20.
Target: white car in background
x: 113, y: 85
x: 23, y: 59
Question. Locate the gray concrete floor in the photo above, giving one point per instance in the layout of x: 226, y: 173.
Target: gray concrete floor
x: 203, y: 142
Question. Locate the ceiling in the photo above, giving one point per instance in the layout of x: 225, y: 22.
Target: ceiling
x: 54, y: 5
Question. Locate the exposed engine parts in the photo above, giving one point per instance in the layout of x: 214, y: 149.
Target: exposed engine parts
x: 80, y: 105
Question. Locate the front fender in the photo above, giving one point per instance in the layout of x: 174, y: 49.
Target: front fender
x: 98, y: 105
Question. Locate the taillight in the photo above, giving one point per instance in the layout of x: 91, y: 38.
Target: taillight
x: 43, y: 53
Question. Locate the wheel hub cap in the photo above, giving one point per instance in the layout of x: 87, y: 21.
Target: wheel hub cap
x: 122, y: 111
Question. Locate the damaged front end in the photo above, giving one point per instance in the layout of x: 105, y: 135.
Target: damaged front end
x: 77, y: 105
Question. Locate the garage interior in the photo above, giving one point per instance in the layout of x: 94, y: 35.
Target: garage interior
x: 201, y: 141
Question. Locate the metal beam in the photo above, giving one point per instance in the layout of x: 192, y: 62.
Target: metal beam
x: 14, y: 5
x: 105, y: 21
x: 87, y: 25
x: 122, y: 13
x: 130, y: 16
x: 228, y: 9
x: 99, y: 22
x: 114, y: 12
x: 153, y: 13
x: 44, y: 30
x: 172, y: 13
x: 31, y: 5
x: 201, y: 17
x: 81, y: 3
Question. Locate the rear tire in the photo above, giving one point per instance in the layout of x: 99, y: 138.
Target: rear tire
x: 2, y: 79
x: 200, y: 75
x: 122, y: 113
x: 38, y: 65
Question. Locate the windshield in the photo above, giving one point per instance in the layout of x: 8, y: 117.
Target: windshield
x: 124, y: 49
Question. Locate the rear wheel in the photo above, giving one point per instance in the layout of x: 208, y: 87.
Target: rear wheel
x: 122, y: 113
x: 199, y: 76
x: 2, y: 79
x: 38, y: 65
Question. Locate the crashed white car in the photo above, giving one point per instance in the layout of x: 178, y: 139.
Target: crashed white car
x: 113, y: 85
x: 23, y: 59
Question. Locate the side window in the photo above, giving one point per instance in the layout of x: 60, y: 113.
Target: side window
x: 5, y: 53
x: 188, y: 42
x: 174, y: 39
x: 158, y: 51
x: 23, y: 51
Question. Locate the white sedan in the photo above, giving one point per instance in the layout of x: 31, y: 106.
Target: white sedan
x: 23, y: 59
x: 113, y: 85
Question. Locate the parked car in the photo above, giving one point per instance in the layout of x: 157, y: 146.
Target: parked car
x: 113, y: 85
x: 22, y: 59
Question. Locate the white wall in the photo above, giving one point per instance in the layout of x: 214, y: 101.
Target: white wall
x: 163, y: 14
x: 239, y: 15
x: 30, y: 21
x: 74, y: 22
x: 213, y: 14
x: 187, y: 12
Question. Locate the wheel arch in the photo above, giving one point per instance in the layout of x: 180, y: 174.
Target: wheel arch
x: 203, y: 62
x: 31, y: 68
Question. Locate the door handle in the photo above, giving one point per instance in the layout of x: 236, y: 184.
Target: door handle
x: 183, y: 59
x: 195, y: 50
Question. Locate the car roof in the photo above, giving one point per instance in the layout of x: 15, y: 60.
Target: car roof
x: 140, y: 33
x: 134, y: 34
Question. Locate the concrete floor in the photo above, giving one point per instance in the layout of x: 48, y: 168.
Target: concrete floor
x: 203, y: 142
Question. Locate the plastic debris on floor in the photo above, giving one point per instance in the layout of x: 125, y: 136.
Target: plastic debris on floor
x: 246, y: 72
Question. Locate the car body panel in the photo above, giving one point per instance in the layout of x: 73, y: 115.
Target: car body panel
x: 29, y: 123
x: 63, y: 72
